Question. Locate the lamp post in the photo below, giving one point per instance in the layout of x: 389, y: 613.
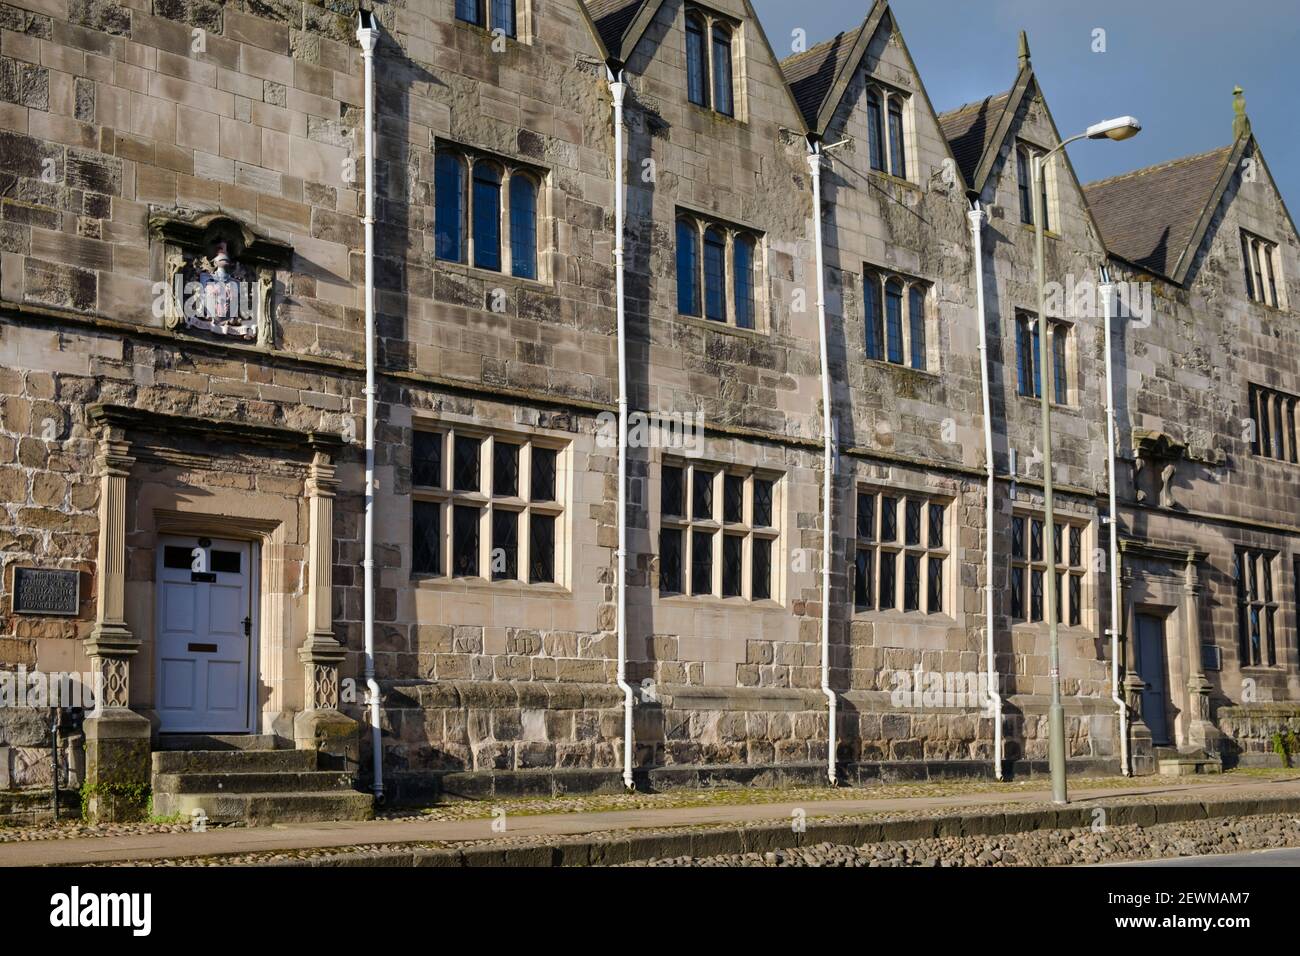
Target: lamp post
x: 1120, y: 128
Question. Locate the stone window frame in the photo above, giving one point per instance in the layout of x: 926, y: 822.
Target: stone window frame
x: 882, y: 277
x: 485, y: 12
x: 1074, y: 606
x: 1257, y: 585
x: 869, y: 543
x: 710, y: 22
x: 889, y: 97
x: 486, y: 502
x: 1024, y: 154
x: 180, y: 238
x: 1024, y: 322
x: 700, y: 225
x: 1261, y: 263
x: 719, y: 528
x: 1273, y: 415
x: 469, y: 157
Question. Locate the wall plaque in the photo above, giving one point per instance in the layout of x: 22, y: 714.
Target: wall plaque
x: 46, y: 591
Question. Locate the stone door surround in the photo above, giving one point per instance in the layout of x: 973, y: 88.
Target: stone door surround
x: 112, y: 645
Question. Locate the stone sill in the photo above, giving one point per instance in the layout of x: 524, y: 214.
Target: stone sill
x: 1041, y: 627
x: 902, y: 369
x: 717, y: 117
x: 894, y: 180
x: 718, y: 603
x: 895, y: 616
x: 1047, y: 233
x: 1069, y: 409
x: 431, y: 582
x: 713, y: 325
x: 488, y: 276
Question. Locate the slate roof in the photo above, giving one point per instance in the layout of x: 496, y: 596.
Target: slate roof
x: 969, y: 130
x: 811, y: 73
x: 1149, y: 216
x: 613, y: 19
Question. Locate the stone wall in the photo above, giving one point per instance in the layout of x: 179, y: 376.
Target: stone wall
x: 115, y: 113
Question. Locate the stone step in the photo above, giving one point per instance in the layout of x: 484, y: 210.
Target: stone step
x: 234, y: 761
x: 263, y: 809
x: 312, y: 781
x: 219, y: 742
x: 1175, y: 763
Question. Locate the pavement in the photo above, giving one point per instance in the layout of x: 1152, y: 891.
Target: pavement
x: 1287, y: 856
x: 287, y: 837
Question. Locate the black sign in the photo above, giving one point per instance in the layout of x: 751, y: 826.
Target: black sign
x: 46, y: 591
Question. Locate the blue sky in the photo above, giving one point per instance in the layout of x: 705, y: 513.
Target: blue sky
x: 1171, y: 63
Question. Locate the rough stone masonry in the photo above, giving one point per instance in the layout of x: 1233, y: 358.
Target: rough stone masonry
x: 148, y: 142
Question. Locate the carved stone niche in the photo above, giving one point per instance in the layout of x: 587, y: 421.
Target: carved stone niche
x: 1156, y: 454
x: 220, y: 276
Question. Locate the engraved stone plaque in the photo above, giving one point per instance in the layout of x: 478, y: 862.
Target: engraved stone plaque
x: 46, y: 591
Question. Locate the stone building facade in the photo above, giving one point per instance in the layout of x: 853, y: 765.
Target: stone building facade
x: 181, y: 335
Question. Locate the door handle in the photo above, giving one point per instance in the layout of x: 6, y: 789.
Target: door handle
x: 248, y: 626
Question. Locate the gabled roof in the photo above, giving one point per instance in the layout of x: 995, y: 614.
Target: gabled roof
x: 976, y: 131
x: 811, y: 74
x: 614, y: 20
x: 971, y: 130
x: 1154, y: 217
x: 818, y: 77
x: 619, y: 25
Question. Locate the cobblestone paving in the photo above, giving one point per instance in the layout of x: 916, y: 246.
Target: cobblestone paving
x: 1037, y: 848
x: 674, y: 799
x: 1027, y: 851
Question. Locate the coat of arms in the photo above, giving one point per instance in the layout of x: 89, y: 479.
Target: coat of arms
x: 219, y: 279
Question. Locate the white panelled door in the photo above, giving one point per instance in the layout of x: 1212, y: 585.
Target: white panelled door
x: 204, y: 635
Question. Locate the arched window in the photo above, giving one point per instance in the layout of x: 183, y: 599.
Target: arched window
x: 1042, y: 186
x: 722, y: 95
x: 874, y: 316
x: 487, y: 216
x: 897, y: 151
x: 715, y: 275
x: 916, y: 324
x: 688, y: 269
x: 697, y: 62
x: 894, y: 321
x: 523, y: 227
x: 449, y: 207
x: 1060, y: 370
x: 875, y: 131
x: 1025, y: 185
x: 744, y: 255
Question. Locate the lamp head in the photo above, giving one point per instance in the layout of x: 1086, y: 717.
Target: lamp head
x: 1122, y: 127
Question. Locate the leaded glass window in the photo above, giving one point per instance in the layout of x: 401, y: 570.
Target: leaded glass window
x: 484, y: 523
x: 725, y: 551
x: 892, y: 574
x: 1029, y: 570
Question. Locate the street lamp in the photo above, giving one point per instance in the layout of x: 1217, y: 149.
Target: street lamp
x: 1120, y: 128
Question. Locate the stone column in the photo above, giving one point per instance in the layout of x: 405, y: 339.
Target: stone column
x: 321, y: 725
x: 117, y: 738
x: 1201, y: 732
x: 1141, y: 750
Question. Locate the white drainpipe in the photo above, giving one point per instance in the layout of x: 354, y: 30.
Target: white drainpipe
x: 618, y: 89
x: 828, y: 466
x: 977, y: 216
x: 368, y: 37
x: 1107, y: 290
